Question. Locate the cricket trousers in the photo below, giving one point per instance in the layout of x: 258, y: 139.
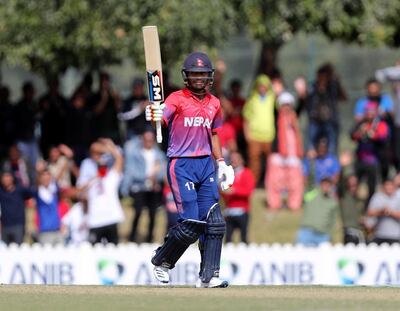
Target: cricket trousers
x: 194, y: 186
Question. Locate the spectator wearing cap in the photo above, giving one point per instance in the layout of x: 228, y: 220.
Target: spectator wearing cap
x: 285, y: 170
x: 258, y: 123
x: 319, y: 217
x: 370, y: 134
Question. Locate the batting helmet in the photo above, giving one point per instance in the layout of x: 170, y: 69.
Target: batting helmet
x: 197, y: 62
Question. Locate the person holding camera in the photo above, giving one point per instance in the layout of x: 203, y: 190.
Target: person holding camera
x: 371, y: 133
x: 100, y: 177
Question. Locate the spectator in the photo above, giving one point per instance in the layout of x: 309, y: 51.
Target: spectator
x: 75, y: 223
x: 61, y: 165
x: 47, y: 200
x: 144, y: 174
x: 322, y: 164
x: 384, y: 209
x: 285, y: 169
x: 370, y: 133
x: 17, y: 166
x: 238, y: 102
x: 374, y: 94
x: 321, y: 104
x: 319, y: 215
x: 101, y: 181
x: 351, y: 210
x: 133, y: 112
x: 106, y: 106
x: 79, y: 125
x: 7, y: 124
x: 392, y: 75
x: 236, y: 117
x: 12, y: 209
x: 53, y: 109
x: 26, y: 115
x: 237, y: 199
x: 385, y: 113
x: 258, y: 126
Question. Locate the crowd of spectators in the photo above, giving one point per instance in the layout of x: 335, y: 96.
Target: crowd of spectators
x: 73, y: 160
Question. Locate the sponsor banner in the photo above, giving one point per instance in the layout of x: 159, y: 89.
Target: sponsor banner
x: 129, y: 264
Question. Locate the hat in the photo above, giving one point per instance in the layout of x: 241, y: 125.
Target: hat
x: 285, y: 98
x: 263, y: 80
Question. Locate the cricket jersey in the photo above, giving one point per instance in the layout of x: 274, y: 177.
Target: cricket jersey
x: 191, y: 122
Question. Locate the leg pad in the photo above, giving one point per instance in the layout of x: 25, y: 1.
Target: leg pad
x: 177, y: 241
x: 214, y: 234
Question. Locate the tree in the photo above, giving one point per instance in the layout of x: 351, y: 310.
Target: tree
x: 366, y: 22
x: 48, y: 36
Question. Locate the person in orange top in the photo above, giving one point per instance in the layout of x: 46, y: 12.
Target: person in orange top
x: 237, y: 199
x: 285, y: 171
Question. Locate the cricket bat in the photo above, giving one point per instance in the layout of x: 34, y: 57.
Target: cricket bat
x: 154, y: 70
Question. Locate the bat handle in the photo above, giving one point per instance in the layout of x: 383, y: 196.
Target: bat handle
x: 159, y: 133
x: 158, y: 127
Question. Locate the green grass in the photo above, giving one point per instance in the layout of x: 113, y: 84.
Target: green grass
x: 98, y: 298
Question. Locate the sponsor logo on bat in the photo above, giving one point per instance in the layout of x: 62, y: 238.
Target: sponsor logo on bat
x: 155, y: 87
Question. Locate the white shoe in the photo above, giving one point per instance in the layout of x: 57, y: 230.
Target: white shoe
x: 161, y: 274
x: 215, y: 282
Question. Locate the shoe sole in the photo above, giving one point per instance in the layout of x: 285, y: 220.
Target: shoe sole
x: 224, y: 284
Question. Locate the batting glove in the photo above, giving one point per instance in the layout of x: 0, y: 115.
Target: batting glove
x: 226, y: 175
x: 154, y: 112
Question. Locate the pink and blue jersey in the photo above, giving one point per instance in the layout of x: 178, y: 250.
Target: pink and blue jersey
x: 191, y: 123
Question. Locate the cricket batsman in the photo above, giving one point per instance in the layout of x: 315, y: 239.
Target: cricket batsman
x: 192, y: 116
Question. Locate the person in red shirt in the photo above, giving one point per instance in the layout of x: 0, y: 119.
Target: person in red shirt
x: 237, y: 199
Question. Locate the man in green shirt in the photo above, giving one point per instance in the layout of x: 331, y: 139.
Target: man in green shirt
x: 319, y: 215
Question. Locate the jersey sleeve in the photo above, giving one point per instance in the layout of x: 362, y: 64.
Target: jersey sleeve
x: 386, y: 103
x: 359, y: 108
x: 171, y: 106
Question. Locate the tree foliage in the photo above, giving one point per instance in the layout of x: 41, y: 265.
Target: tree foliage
x: 363, y: 21
x: 47, y: 36
x: 367, y: 22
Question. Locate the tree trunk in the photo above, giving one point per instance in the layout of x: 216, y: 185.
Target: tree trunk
x: 268, y: 59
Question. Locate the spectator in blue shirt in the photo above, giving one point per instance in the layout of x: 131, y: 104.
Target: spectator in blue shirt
x: 385, y: 113
x: 322, y: 164
x: 47, y: 199
x: 374, y: 94
x: 12, y: 208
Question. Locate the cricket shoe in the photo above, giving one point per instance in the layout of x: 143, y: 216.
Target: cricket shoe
x: 161, y: 274
x: 215, y: 282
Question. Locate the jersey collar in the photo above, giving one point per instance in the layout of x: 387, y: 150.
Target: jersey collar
x: 187, y: 93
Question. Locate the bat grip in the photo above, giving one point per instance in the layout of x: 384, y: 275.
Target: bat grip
x: 159, y: 133
x: 158, y: 127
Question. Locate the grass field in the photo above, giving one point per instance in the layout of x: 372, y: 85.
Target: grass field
x: 120, y: 298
